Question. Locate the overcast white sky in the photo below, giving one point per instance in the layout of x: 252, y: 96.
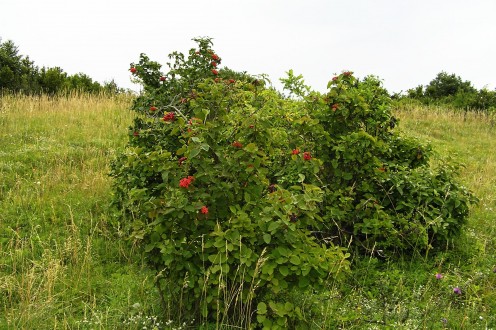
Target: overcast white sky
x: 405, y: 43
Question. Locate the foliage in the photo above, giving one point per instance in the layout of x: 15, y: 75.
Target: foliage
x: 380, y: 191
x: 240, y: 195
x: 450, y: 89
x: 205, y: 185
x: 19, y: 74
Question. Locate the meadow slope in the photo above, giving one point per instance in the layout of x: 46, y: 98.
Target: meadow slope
x: 64, y: 263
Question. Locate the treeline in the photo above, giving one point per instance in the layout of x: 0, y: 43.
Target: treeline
x: 18, y: 74
x: 450, y: 90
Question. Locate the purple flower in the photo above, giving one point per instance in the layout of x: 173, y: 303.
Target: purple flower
x: 457, y: 290
x: 439, y: 276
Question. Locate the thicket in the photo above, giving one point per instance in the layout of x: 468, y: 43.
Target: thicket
x: 452, y: 90
x: 18, y: 74
x: 241, y: 196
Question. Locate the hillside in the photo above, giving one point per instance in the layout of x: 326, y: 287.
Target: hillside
x: 64, y: 264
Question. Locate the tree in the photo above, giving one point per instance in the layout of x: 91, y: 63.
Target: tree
x: 445, y: 85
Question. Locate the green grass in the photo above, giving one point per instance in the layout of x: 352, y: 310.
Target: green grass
x: 63, y: 266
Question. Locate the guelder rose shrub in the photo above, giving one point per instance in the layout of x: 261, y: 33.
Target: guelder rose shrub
x: 210, y: 185
x: 241, y: 197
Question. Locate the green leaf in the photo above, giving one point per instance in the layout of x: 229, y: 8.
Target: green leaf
x: 273, y: 226
x: 194, y: 152
x: 303, y: 282
x: 251, y: 147
x: 284, y: 270
x: 267, y: 238
x: 295, y: 260
x: 261, y: 308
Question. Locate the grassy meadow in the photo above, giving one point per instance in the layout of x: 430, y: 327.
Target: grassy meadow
x: 64, y: 266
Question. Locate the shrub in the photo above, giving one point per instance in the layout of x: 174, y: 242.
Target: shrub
x: 204, y: 185
x: 240, y: 195
x: 380, y: 191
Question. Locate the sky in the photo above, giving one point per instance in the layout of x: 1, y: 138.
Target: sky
x: 404, y: 43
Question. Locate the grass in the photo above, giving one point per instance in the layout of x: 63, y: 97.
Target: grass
x: 60, y: 265
x: 63, y: 266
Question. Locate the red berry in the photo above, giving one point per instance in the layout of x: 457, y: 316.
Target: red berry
x: 136, y: 133
x: 182, y: 160
x: 307, y: 155
x: 295, y: 152
x: 162, y: 78
x: 215, y: 72
x: 237, y: 144
x: 204, y: 210
x: 214, y: 64
x: 152, y: 108
x: 232, y: 81
x: 185, y: 182
x: 334, y: 78
x: 170, y: 116
x: 133, y: 70
x: 335, y: 107
x: 215, y: 57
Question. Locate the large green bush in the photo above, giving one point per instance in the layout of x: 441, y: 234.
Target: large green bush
x: 241, y: 196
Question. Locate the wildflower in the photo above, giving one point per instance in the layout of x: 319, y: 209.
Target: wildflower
x: 457, y: 290
x: 307, y: 155
x: 439, y: 276
x: 204, y: 210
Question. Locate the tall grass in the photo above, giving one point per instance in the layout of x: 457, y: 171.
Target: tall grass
x: 62, y: 266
